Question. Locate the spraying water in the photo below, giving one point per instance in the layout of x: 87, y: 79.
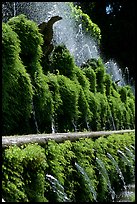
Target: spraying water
x: 58, y: 189
x: 130, y: 154
x: 117, y: 169
x: 125, y: 159
x: 132, y: 147
x: 115, y: 72
x: 88, y: 181
x: 66, y: 31
x: 104, y: 174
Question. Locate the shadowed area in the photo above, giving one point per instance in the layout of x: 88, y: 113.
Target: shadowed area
x: 46, y: 29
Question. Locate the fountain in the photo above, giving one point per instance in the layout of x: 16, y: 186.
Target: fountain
x: 67, y: 32
x: 130, y: 154
x: 132, y: 147
x: 105, y: 176
x: 124, y: 157
x: 115, y: 72
x: 117, y: 169
x: 58, y: 189
x: 127, y: 195
x: 88, y: 181
x: 80, y: 45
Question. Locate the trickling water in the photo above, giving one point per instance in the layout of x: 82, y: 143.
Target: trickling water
x: 130, y: 154
x: 34, y: 117
x: 117, y: 169
x: 74, y: 125
x: 53, y: 125
x: 58, y: 189
x: 104, y: 174
x: 125, y: 159
x: 132, y: 147
x: 88, y: 126
x: 88, y: 181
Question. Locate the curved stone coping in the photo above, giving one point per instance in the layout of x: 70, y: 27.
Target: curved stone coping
x: 58, y: 137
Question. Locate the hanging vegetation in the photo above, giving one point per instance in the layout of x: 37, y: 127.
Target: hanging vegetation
x: 31, y: 53
x: 17, y: 90
x: 62, y: 98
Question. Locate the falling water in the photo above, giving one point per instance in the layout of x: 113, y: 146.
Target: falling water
x: 117, y: 169
x: 115, y: 72
x: 58, y: 189
x: 104, y: 174
x: 53, y: 129
x: 67, y: 31
x: 126, y: 195
x: 88, y: 181
x: 74, y: 125
x: 34, y: 118
x: 132, y: 147
x: 125, y: 159
x: 14, y: 8
x: 130, y: 154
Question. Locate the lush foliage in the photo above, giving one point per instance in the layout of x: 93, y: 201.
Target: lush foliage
x: 31, y: 52
x: 23, y: 173
x: 17, y: 89
x: 60, y: 97
x: 69, y: 171
x: 89, y: 27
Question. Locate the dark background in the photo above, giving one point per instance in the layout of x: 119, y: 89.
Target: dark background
x: 116, y: 19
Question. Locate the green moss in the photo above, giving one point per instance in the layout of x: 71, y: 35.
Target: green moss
x: 68, y: 112
x: 62, y: 61
x: 108, y: 84
x: 90, y: 74
x: 17, y: 90
x: 31, y: 53
x: 123, y: 94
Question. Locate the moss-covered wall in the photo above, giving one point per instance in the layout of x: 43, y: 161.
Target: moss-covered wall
x: 27, y: 170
